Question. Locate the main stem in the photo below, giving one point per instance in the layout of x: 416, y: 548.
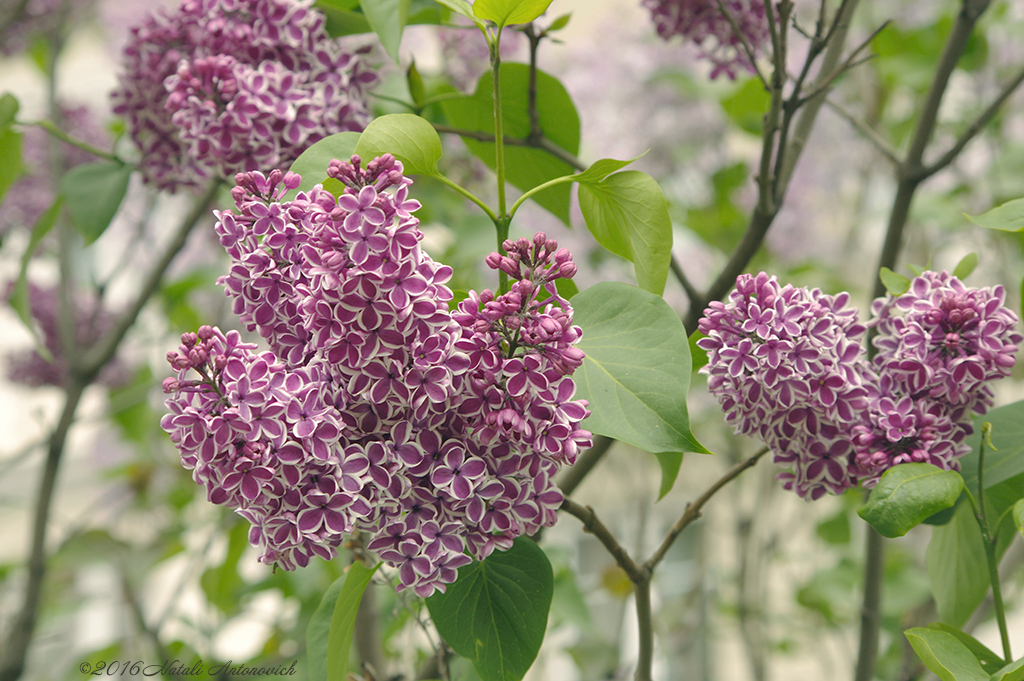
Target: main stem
x: 990, y: 551
x: 502, y: 221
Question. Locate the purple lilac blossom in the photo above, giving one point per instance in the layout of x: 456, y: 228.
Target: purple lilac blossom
x: 702, y: 23
x: 91, y: 321
x: 376, y: 408
x: 787, y: 366
x: 218, y: 86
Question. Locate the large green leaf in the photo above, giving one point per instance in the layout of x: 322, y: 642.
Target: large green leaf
x: 945, y: 655
x: 496, y: 612
x: 1007, y: 459
x: 509, y: 12
x: 462, y: 7
x: 637, y: 370
x: 387, y: 18
x: 312, y: 163
x: 525, y: 167
x: 407, y: 137
x: 93, y: 192
x: 627, y: 214
x: 1008, y: 217
x: 599, y: 170
x: 988, y: 660
x: 329, y: 634
x: 956, y: 567
x: 1011, y: 672
x: 907, y: 494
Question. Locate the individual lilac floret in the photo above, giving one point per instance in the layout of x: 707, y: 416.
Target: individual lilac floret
x: 376, y: 409
x: 787, y: 366
x: 702, y: 23
x: 218, y: 86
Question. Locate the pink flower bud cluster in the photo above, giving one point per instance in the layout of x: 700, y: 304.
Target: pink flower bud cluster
x: 703, y: 23
x: 787, y: 366
x: 221, y: 85
x: 376, y: 409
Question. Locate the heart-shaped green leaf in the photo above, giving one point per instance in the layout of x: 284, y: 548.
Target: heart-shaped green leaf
x: 496, y: 612
x: 637, y: 370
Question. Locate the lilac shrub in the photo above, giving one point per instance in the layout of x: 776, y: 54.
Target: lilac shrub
x: 702, y: 23
x: 218, y: 85
x: 377, y: 409
x: 787, y: 366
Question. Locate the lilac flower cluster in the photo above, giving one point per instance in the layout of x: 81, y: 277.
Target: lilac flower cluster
x: 91, y: 320
x: 376, y: 408
x: 703, y: 23
x: 222, y: 85
x: 787, y: 366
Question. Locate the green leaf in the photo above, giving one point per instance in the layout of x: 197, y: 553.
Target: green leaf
x: 312, y: 163
x: 1007, y: 460
x: 559, y: 23
x: 222, y: 583
x: 1011, y: 672
x: 342, y: 22
x: 637, y: 369
x: 896, y: 284
x: 944, y: 655
x: 415, y: 82
x: 1018, y: 515
x: 509, y: 12
x: 907, y: 494
x: 956, y: 567
x: 964, y: 268
x: 464, y: 8
x: 496, y: 612
x: 628, y: 215
x: 599, y: 170
x: 747, y: 105
x: 329, y: 634
x: 525, y: 167
x: 93, y: 192
x: 387, y: 17
x: 11, y: 167
x: 8, y: 109
x: 19, y: 297
x: 409, y: 138
x: 1008, y: 217
x: 670, y: 463
x: 988, y: 660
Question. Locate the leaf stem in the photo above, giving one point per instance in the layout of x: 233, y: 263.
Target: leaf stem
x: 469, y: 195
x: 51, y: 128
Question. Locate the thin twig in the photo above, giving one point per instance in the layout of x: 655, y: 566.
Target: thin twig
x: 977, y: 126
x: 690, y: 289
x: 574, y: 475
x: 879, y: 142
x: 747, y: 49
x: 693, y: 509
x: 543, y: 143
x: 593, y: 525
x: 97, y: 356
